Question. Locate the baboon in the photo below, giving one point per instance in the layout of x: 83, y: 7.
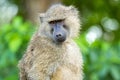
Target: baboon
x: 52, y: 53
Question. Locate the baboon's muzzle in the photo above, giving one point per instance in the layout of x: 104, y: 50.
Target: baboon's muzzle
x: 59, y: 33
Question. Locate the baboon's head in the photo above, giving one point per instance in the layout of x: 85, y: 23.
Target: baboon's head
x: 60, y: 23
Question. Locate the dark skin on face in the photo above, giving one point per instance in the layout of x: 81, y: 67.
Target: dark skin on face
x: 58, y: 30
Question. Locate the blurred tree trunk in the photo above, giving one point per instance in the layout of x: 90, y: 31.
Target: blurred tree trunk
x: 34, y: 7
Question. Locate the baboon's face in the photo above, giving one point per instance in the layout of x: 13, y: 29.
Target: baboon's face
x: 59, y: 30
x: 60, y: 23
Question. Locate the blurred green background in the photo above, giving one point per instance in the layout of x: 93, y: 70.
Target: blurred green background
x: 99, y: 40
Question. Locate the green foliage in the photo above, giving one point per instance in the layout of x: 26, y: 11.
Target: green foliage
x: 13, y: 41
x: 101, y: 59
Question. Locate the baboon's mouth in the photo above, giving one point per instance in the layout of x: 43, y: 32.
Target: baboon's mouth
x: 60, y: 40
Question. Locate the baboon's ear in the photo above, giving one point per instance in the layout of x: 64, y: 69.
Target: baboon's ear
x: 41, y: 16
x: 73, y: 9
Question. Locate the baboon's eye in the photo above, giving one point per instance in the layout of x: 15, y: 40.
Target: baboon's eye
x: 64, y: 26
x: 52, y: 22
x: 56, y: 21
x: 59, y: 20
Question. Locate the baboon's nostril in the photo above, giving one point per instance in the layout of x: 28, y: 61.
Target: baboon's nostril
x: 58, y: 35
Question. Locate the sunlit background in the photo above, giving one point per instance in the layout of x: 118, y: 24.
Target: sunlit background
x: 99, y: 38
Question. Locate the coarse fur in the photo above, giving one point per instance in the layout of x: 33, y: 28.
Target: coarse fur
x: 46, y: 60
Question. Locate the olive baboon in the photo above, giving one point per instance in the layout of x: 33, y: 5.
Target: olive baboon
x: 52, y: 54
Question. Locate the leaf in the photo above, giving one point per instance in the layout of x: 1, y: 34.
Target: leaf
x: 17, y: 22
x: 94, y: 76
x: 6, y: 28
x: 115, y: 72
x: 11, y: 77
x: 104, y: 70
x: 15, y: 43
x: 3, y: 60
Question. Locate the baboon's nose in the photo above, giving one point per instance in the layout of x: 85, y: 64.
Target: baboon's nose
x: 60, y: 38
x: 58, y: 35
